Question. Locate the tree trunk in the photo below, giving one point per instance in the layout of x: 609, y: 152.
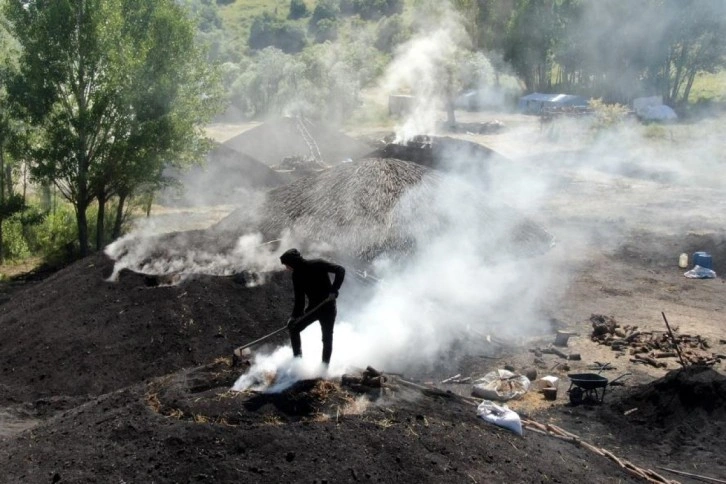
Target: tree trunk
x: 689, y: 85
x: 82, y: 221
x: 119, y: 215
x: 450, y: 112
x: 100, y: 220
x: 8, y: 182
x: 149, y: 203
x: 2, y: 202
x: 46, y: 197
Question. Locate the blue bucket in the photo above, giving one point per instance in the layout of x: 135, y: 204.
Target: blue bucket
x: 702, y: 259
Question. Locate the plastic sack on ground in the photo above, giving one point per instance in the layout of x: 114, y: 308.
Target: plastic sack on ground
x: 699, y: 272
x: 500, y: 416
x: 501, y: 385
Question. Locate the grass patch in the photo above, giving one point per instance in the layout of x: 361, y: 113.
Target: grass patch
x: 709, y: 87
x: 237, y: 16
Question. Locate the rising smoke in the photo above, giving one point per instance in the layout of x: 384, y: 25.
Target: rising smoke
x: 467, y: 279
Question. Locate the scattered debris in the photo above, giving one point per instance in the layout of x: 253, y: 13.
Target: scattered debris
x: 549, y: 429
x: 648, y: 347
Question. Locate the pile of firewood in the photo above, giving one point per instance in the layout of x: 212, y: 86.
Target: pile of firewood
x: 649, y: 347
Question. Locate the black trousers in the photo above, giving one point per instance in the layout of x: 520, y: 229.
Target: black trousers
x: 326, y: 315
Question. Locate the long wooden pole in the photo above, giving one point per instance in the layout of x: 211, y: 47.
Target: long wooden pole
x: 708, y: 479
x: 675, y: 343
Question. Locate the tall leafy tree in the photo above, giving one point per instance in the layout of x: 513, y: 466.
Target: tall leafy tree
x: 10, y: 136
x: 118, y: 87
x: 696, y: 43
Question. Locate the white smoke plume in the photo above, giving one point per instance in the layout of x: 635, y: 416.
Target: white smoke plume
x: 420, y: 68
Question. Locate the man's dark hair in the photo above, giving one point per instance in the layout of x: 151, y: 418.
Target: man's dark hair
x: 291, y: 257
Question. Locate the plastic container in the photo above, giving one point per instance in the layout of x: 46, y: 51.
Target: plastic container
x: 683, y: 261
x: 702, y: 259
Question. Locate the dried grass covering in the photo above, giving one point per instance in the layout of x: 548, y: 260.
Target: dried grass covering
x: 380, y: 205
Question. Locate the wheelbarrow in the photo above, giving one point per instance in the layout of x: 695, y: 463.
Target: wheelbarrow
x: 589, y: 387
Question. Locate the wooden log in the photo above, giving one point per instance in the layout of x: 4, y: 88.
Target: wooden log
x: 555, y: 351
x: 650, y: 361
x: 697, y: 476
x: 673, y: 338
x: 665, y: 354
x: 632, y: 336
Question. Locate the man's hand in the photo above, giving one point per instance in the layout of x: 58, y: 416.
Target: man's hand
x: 291, y: 323
x: 332, y: 296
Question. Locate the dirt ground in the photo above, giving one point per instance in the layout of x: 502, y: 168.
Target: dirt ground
x: 130, y: 381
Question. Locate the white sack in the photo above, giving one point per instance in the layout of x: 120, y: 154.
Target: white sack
x: 500, y: 416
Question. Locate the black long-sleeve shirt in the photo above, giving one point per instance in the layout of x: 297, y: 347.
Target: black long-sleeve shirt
x: 310, y: 278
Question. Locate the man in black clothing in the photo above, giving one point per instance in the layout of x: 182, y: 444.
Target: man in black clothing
x: 311, y: 278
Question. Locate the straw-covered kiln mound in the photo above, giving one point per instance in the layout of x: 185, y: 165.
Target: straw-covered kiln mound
x: 231, y: 173
x: 286, y: 137
x: 385, y: 205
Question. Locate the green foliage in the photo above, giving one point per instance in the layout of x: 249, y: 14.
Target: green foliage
x: 269, y: 31
x: 298, y: 10
x: 118, y: 87
x: 391, y: 32
x: 325, y: 9
x: 371, y: 9
x: 11, y: 204
x: 607, y: 115
x: 325, y: 30
x: 15, y: 247
x: 55, y: 238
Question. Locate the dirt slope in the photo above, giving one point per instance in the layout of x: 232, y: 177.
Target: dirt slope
x: 75, y: 333
x: 123, y: 437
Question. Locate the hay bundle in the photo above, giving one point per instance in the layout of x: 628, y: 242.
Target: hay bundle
x: 386, y: 205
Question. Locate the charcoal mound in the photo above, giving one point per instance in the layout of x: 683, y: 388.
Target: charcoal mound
x: 680, y: 395
x: 442, y: 152
x: 76, y: 333
x: 382, y: 205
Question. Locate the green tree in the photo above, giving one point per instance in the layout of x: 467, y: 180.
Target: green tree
x: 298, y: 10
x: 269, y: 31
x: 531, y: 36
x: 696, y: 43
x: 10, y: 137
x: 118, y: 88
x: 390, y: 32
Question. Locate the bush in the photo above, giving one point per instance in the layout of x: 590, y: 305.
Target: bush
x: 371, y: 9
x: 607, y: 115
x: 268, y: 31
x: 56, y: 237
x: 326, y: 29
x: 298, y: 10
x: 390, y: 32
x: 14, y: 244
